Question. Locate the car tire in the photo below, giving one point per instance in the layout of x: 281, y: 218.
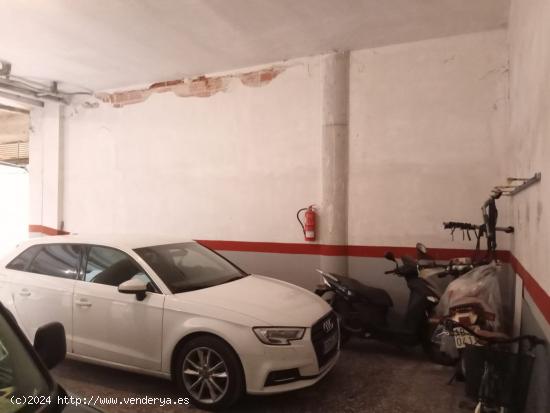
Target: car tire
x: 209, y: 373
x: 345, y: 336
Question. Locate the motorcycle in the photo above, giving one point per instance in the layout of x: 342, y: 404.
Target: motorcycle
x: 363, y: 310
x: 474, y: 299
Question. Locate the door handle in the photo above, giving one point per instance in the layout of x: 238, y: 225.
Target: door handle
x: 24, y: 293
x: 83, y: 303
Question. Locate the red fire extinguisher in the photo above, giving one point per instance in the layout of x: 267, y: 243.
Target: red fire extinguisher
x: 308, y: 226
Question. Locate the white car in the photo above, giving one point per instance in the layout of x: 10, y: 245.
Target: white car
x: 172, y: 309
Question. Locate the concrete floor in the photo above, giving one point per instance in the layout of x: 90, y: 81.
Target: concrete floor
x: 370, y: 377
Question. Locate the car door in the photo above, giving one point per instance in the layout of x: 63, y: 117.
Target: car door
x: 42, y: 281
x: 112, y: 326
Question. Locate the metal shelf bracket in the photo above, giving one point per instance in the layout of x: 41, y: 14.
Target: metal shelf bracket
x: 516, y: 185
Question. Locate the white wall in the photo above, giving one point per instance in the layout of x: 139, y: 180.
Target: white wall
x: 426, y: 119
x: 529, y: 38
x: 45, y: 169
x: 529, y: 135
x: 233, y: 166
x: 237, y: 165
x: 14, y: 219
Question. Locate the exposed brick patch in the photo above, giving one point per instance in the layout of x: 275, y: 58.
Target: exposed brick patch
x: 202, y: 86
x: 260, y: 77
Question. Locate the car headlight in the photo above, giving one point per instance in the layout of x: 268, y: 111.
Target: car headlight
x: 279, y: 336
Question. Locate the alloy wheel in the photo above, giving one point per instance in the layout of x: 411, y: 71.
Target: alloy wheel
x: 205, y: 375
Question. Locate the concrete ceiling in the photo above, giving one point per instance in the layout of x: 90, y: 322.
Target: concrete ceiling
x: 104, y: 44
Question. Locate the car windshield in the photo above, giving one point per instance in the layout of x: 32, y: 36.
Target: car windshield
x: 20, y: 378
x: 189, y: 266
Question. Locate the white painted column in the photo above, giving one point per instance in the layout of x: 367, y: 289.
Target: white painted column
x: 45, y: 167
x: 333, y: 226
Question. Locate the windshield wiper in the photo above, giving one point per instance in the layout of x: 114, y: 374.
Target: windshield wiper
x: 238, y: 277
x: 201, y: 286
x: 194, y: 288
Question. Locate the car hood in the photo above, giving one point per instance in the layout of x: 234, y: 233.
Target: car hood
x: 270, y: 301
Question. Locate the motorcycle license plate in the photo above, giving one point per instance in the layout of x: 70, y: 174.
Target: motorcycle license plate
x: 330, y: 343
x: 463, y: 338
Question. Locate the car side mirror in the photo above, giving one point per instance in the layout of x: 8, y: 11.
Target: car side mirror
x: 134, y: 286
x: 50, y: 344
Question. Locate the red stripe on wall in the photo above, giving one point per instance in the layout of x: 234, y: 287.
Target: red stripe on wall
x: 335, y: 250
x: 539, y: 295
x: 272, y: 247
x: 46, y: 230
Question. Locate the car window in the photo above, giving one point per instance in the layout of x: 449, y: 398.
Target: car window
x: 58, y: 260
x: 188, y: 266
x: 22, y: 261
x: 110, y: 266
x: 19, y: 376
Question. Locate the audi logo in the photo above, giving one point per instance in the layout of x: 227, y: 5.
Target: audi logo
x: 328, y: 325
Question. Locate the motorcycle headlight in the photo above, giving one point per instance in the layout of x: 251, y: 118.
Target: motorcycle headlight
x: 279, y: 336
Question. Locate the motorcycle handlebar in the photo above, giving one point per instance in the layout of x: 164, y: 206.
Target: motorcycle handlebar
x: 460, y: 225
x: 472, y: 227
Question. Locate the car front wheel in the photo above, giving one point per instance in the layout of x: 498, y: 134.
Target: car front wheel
x: 209, y: 372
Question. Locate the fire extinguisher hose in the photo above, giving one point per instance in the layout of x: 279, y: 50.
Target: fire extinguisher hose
x: 300, y: 221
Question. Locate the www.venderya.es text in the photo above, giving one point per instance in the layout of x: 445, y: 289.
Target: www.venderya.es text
x: 99, y: 401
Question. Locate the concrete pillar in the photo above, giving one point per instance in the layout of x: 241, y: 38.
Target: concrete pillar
x: 334, y: 176
x: 45, y: 170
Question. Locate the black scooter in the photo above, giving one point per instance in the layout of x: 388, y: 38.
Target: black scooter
x: 363, y: 310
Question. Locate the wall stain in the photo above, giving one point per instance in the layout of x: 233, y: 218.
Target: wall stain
x: 504, y: 69
x: 202, y: 86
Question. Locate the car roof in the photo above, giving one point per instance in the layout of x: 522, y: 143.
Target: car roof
x: 122, y: 241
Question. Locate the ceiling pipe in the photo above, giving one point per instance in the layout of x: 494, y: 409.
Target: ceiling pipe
x: 12, y: 86
x: 26, y: 88
x: 14, y: 109
x: 21, y: 99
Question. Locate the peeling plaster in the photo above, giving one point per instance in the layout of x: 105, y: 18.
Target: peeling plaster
x: 202, y: 86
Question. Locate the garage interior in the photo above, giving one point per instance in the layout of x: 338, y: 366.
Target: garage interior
x: 217, y: 121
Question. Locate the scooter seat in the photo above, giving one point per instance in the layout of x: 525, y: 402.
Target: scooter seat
x: 376, y: 296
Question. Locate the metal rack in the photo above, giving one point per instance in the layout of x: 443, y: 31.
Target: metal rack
x: 516, y: 185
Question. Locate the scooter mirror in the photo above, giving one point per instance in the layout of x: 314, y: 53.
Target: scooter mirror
x: 421, y: 248
x: 389, y: 256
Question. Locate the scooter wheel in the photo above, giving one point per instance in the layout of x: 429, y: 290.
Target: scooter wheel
x: 433, y: 349
x: 437, y: 356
